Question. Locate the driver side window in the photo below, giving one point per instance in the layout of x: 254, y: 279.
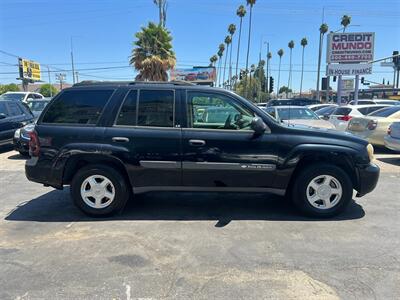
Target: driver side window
x: 214, y: 111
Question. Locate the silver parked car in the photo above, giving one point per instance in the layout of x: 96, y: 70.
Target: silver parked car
x: 392, y: 139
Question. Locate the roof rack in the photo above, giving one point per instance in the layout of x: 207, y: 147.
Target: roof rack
x: 95, y: 82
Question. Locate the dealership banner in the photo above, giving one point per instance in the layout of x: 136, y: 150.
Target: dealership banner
x: 348, y: 69
x: 354, y: 47
x: 195, y: 74
x: 29, y: 70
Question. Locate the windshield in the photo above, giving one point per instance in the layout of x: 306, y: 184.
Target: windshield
x: 296, y: 114
x: 385, y: 112
x: 14, y: 97
x: 37, y: 105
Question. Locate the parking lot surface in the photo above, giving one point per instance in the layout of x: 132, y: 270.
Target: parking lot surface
x: 196, y: 246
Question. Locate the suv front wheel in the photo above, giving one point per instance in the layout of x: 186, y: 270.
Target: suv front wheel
x: 322, y: 190
x: 99, y: 190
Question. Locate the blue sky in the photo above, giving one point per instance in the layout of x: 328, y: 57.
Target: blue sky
x: 103, y: 32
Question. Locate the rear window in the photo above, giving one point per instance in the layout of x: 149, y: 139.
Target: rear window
x: 325, y: 110
x: 385, y: 112
x: 370, y: 109
x: 341, y: 111
x: 77, y: 107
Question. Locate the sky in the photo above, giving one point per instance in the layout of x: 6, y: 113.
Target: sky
x: 102, y: 32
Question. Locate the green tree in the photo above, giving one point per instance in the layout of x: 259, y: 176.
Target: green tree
x: 48, y: 90
x: 303, y: 43
x: 12, y: 87
x: 221, y: 49
x: 252, y: 91
x: 228, y: 41
x: 259, y: 73
x: 241, y: 12
x: 345, y: 21
x: 285, y: 89
x: 231, y: 30
x: 153, y: 55
x: 322, y: 30
x: 291, y: 46
x: 280, y: 54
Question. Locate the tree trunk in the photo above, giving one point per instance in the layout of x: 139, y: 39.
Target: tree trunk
x: 226, y: 59
x: 248, y: 46
x: 238, y: 49
x: 302, y: 71
x: 230, y: 64
x: 279, y: 75
x: 321, y: 36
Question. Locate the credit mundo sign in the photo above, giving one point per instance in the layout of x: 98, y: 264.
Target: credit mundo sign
x: 352, y: 47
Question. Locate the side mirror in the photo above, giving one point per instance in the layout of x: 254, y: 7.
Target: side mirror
x: 3, y: 116
x: 258, y: 125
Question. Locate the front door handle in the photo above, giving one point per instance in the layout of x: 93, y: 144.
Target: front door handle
x: 197, y: 143
x: 120, y: 139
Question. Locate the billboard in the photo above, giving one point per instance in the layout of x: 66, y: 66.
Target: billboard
x: 195, y: 74
x: 347, y: 84
x: 348, y: 69
x: 29, y: 70
x: 354, y: 47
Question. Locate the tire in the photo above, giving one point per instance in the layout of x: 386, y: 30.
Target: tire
x: 24, y: 153
x: 105, y: 196
x: 313, y: 186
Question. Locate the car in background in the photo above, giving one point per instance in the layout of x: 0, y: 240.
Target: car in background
x: 21, y: 96
x: 298, y: 115
x: 392, y: 138
x: 294, y: 101
x: 13, y: 115
x: 375, y: 101
x: 191, y: 77
x: 373, y: 127
x: 341, y: 116
x: 21, y: 139
x: 37, y: 106
x: 315, y: 107
x: 325, y: 112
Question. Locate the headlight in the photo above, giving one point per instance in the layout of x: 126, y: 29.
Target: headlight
x: 370, y: 150
x: 17, y: 133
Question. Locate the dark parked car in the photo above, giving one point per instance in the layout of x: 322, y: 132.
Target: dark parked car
x: 294, y: 101
x: 37, y: 106
x: 110, y: 141
x: 21, y: 139
x: 13, y: 115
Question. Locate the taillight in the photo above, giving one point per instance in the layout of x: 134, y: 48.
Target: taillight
x: 345, y: 118
x: 372, y: 125
x: 34, y: 145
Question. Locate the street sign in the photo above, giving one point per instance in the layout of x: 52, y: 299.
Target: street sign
x: 29, y: 70
x: 347, y: 84
x: 387, y: 64
x: 348, y: 69
x: 352, y: 47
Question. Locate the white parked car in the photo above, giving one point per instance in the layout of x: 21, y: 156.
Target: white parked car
x: 315, y: 107
x: 343, y: 114
x: 374, y: 126
x: 298, y: 115
x: 375, y: 101
x: 21, y: 96
x: 392, y: 139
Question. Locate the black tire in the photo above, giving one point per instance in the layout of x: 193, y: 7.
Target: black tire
x: 24, y: 153
x: 299, y: 191
x: 122, y: 192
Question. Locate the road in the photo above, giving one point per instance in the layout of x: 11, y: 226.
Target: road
x: 196, y: 246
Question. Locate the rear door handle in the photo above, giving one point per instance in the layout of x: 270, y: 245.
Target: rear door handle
x: 120, y: 139
x: 197, y: 143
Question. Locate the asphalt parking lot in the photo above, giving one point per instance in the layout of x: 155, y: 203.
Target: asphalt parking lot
x: 196, y: 246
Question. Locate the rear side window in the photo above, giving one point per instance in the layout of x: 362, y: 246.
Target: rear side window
x: 368, y: 110
x: 14, y: 109
x: 385, y: 112
x: 127, y: 114
x: 341, y: 111
x: 77, y: 107
x: 156, y: 108
x: 3, y: 109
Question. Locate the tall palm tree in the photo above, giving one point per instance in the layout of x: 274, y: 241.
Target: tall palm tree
x: 346, y: 20
x: 303, y: 43
x: 269, y: 56
x: 280, y: 54
x: 153, y: 55
x: 231, y: 30
x: 291, y: 46
x: 322, y: 30
x: 251, y: 3
x: 228, y: 41
x: 241, y: 12
x: 213, y: 60
x: 220, y: 53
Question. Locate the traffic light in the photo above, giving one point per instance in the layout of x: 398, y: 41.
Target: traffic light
x: 334, y: 78
x: 271, y: 84
x: 396, y: 58
x: 362, y: 80
x: 241, y: 74
x: 324, y: 84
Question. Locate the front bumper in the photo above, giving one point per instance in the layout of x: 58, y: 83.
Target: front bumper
x: 368, y: 178
x: 21, y: 144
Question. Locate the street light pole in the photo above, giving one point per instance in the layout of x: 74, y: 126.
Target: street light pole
x: 72, y: 62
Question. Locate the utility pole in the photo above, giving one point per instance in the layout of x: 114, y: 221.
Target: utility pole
x: 51, y: 90
x: 72, y: 62
x: 267, y: 79
x: 76, y: 76
x: 60, y: 77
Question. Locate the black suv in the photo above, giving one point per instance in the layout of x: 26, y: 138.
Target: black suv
x: 110, y: 141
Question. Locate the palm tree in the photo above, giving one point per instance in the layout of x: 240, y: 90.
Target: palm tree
x: 241, y: 12
x: 303, y: 43
x: 228, y: 41
x: 213, y: 60
x: 220, y: 54
x: 322, y: 30
x: 269, y: 56
x: 346, y: 20
x: 251, y: 3
x: 231, y: 30
x: 291, y: 46
x: 280, y: 53
x: 153, y: 55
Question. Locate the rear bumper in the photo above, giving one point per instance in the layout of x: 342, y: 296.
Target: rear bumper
x: 40, y: 172
x: 368, y: 179
x: 392, y: 143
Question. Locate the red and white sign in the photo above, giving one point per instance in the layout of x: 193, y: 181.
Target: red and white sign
x: 354, y: 47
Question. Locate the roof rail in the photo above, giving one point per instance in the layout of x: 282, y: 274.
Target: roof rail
x: 95, y: 82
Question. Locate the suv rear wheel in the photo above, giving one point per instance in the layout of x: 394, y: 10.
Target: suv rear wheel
x: 322, y: 190
x: 99, y: 190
